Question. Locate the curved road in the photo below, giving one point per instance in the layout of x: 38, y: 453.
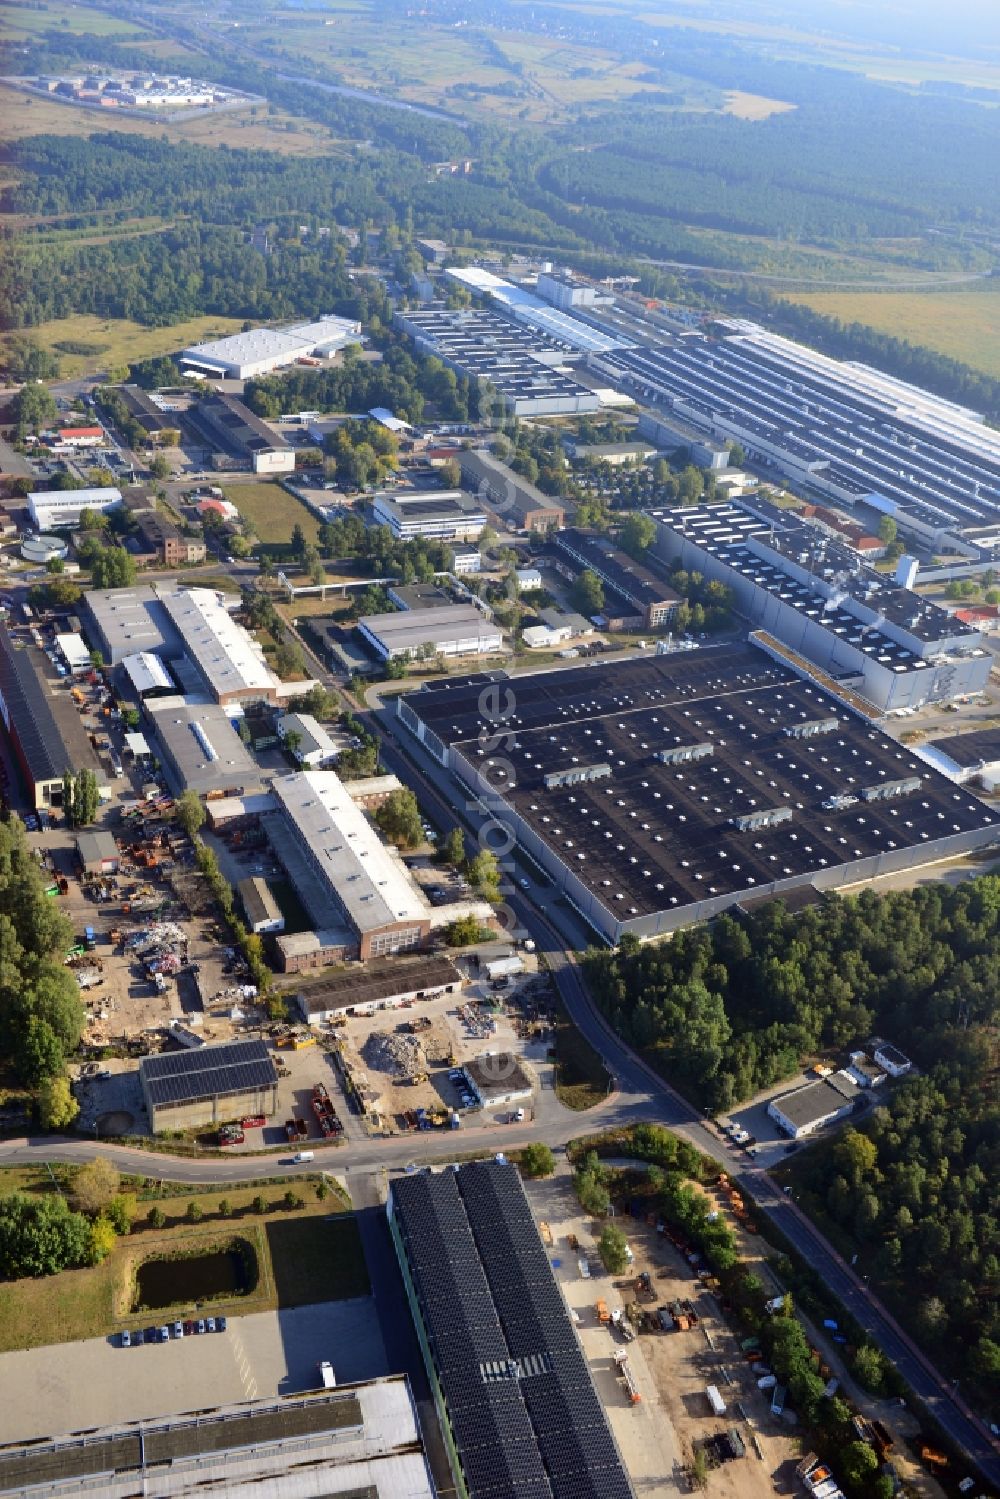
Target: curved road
x: 636, y: 1094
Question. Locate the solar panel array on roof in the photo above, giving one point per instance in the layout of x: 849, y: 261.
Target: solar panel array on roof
x: 187, y: 1076
x: 521, y: 1403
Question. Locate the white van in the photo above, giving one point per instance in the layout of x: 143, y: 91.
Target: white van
x: 302, y: 1157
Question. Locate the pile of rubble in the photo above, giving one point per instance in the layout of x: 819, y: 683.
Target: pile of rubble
x: 394, y: 1053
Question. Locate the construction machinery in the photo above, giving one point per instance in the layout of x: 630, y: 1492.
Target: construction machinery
x: 603, y: 1315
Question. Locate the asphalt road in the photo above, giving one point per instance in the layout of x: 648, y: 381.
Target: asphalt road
x: 636, y: 1093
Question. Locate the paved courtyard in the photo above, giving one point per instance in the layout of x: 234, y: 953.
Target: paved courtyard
x: 74, y: 1386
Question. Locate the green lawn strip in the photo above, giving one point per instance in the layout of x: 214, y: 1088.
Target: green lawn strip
x: 304, y: 1256
x: 581, y: 1076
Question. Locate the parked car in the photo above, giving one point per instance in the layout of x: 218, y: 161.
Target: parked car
x: 200, y: 1325
x: 210, y: 1324
x: 189, y: 1329
x: 220, y: 1324
x: 178, y: 1329
x: 164, y: 1334
x: 126, y: 1338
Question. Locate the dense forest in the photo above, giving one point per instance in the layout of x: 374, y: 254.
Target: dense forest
x: 728, y: 1009
x: 914, y: 1195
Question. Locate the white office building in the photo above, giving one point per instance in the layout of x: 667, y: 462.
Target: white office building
x: 442, y: 515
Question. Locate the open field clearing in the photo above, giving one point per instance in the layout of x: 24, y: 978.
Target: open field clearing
x: 23, y: 22
x: 119, y: 341
x: 253, y: 127
x: 965, y: 325
x: 754, y: 106
x: 272, y: 511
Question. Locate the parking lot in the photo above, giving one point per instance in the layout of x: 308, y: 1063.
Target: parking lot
x: 98, y: 1382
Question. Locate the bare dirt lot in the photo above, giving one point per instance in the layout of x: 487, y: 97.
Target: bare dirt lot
x: 657, y: 1435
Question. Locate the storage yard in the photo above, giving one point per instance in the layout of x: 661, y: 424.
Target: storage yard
x: 401, y: 1067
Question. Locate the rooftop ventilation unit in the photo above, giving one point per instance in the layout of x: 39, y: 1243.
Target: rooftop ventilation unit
x: 813, y: 727
x: 751, y: 821
x: 575, y: 775
x: 682, y: 753
x: 890, y: 789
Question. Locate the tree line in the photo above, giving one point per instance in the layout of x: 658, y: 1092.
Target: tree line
x: 727, y: 1009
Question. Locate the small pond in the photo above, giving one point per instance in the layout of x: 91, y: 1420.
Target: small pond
x: 202, y: 1277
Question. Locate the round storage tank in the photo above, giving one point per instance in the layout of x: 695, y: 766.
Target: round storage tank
x: 43, y: 548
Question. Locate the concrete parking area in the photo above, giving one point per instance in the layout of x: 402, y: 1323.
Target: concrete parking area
x: 55, y: 1390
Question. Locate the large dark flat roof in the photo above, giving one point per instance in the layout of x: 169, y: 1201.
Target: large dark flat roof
x: 981, y: 747
x: 47, y: 725
x: 149, y: 1444
x: 381, y: 979
x: 210, y: 1071
x: 521, y: 1402
x: 651, y: 836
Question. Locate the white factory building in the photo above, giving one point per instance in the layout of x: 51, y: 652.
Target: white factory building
x: 51, y: 508
x: 257, y: 352
x: 450, y: 630
x: 343, y: 872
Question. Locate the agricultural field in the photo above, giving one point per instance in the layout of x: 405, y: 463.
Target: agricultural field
x: 963, y: 324
x: 272, y: 511
x: 254, y: 127
x: 24, y: 23
x: 754, y: 106
x: 118, y: 341
x: 303, y: 1256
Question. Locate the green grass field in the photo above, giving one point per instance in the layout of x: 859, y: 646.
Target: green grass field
x: 272, y: 511
x: 581, y: 1076
x: 19, y: 23
x: 964, y: 324
x: 123, y: 342
x: 304, y: 1256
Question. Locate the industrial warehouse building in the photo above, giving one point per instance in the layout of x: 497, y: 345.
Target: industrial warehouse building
x: 520, y: 505
x: 41, y: 722
x: 660, y: 791
x: 526, y: 367
x: 897, y: 649
x: 262, y: 912
x: 261, y: 350
x: 806, y: 1109
x: 344, y: 874
x: 519, y: 1413
x: 201, y: 749
x: 844, y: 431
x: 188, y: 1089
x: 497, y: 1078
x: 191, y: 626
x: 451, y: 630
x: 649, y: 602
x: 378, y: 986
x: 242, y: 440
x: 359, y: 1441
x: 445, y: 515
x: 49, y: 509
